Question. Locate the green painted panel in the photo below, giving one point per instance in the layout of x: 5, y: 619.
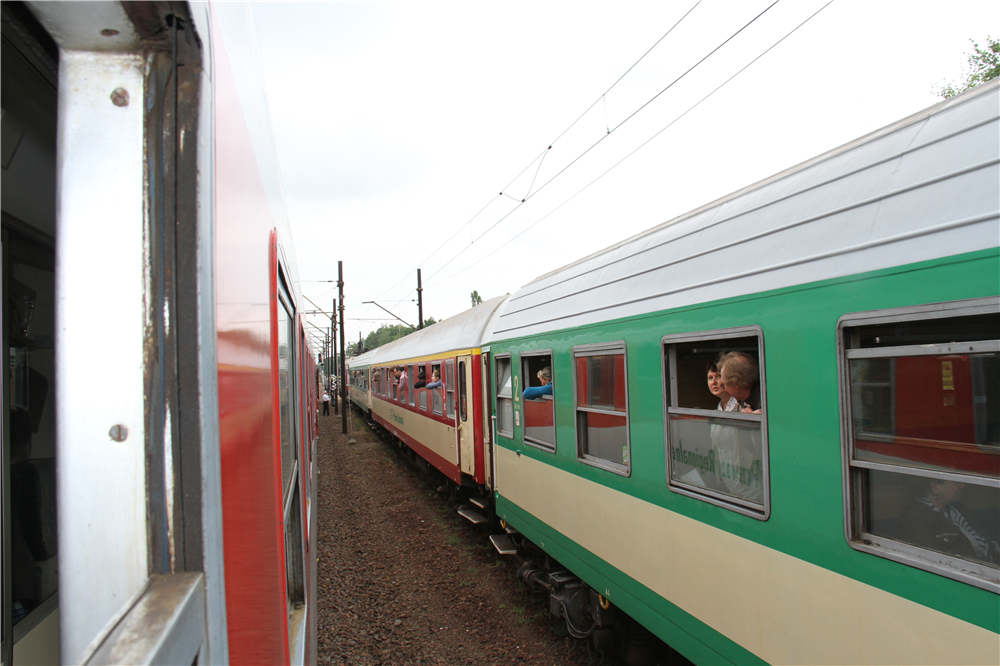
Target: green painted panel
x: 800, y: 357
x: 691, y: 637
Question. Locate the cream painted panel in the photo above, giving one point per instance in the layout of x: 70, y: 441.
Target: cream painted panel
x: 436, y: 436
x: 785, y: 610
x: 41, y: 645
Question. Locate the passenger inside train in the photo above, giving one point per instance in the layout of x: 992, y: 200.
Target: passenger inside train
x: 935, y: 518
x: 435, y: 378
x: 535, y: 392
x: 740, y: 379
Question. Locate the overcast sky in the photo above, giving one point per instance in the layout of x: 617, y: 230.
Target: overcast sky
x: 398, y: 124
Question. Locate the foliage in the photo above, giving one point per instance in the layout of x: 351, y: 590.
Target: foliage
x: 386, y: 333
x: 983, y: 64
x: 476, y: 298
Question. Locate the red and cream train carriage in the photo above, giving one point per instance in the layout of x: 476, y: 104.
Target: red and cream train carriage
x: 446, y: 426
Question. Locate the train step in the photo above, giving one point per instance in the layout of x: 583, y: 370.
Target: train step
x: 481, y: 502
x: 471, y: 516
x: 511, y: 530
x: 503, y: 544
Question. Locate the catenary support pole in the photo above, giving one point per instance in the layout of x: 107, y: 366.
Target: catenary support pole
x: 343, y: 364
x: 420, y: 302
x: 333, y: 368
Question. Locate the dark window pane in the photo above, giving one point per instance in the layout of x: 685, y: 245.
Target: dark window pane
x: 948, y: 517
x: 603, y: 436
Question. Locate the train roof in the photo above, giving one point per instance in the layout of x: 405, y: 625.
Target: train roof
x: 923, y: 188
x: 361, y: 360
x: 462, y: 331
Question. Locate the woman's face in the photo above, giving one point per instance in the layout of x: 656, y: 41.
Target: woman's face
x: 715, y: 384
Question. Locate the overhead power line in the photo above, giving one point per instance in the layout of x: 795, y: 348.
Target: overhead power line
x: 637, y: 149
x: 610, y: 131
x: 540, y: 158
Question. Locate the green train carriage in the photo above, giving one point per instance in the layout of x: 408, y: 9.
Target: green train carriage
x: 865, y: 284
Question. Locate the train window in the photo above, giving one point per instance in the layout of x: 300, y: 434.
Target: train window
x: 716, y: 434
x: 505, y: 397
x: 422, y: 381
x: 463, y: 402
x: 600, y: 381
x: 394, y: 381
x: 920, y: 398
x: 436, y: 403
x: 539, y: 411
x: 286, y: 386
x: 409, y: 385
x: 450, y: 386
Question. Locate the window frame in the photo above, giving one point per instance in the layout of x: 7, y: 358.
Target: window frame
x: 463, y: 388
x: 422, y: 398
x: 601, y: 349
x: 539, y: 444
x: 449, y: 387
x: 410, y: 371
x: 669, y: 392
x: 509, y: 434
x: 957, y: 568
x: 437, y: 408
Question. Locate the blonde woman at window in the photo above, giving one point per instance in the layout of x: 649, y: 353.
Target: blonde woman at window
x: 545, y: 377
x: 740, y: 377
x: 737, y: 448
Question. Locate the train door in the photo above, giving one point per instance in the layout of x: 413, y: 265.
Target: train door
x: 488, y: 418
x: 463, y: 423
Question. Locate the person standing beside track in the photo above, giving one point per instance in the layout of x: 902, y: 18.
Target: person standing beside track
x: 326, y: 403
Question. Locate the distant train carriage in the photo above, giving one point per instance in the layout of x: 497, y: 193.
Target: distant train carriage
x: 427, y: 390
x: 359, y: 376
x: 860, y: 291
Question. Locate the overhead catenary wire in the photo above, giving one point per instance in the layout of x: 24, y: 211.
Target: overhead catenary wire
x: 637, y: 149
x: 539, y: 159
x: 612, y: 130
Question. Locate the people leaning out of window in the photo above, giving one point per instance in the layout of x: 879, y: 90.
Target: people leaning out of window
x: 741, y: 380
x: 935, y: 518
x: 535, y: 392
x: 421, y: 379
x: 435, y: 379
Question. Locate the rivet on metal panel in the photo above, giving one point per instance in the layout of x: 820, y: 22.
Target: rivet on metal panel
x: 109, y: 32
x: 118, y: 432
x: 119, y: 97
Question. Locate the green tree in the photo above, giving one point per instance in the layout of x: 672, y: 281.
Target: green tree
x: 476, y: 298
x: 386, y: 333
x: 982, y: 65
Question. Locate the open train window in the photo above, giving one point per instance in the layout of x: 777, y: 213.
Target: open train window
x: 436, y: 404
x: 450, y: 387
x: 422, y: 381
x: 539, y: 411
x: 505, y: 395
x: 716, y: 434
x: 600, y: 384
x: 410, y: 372
x: 463, y: 402
x: 920, y: 402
